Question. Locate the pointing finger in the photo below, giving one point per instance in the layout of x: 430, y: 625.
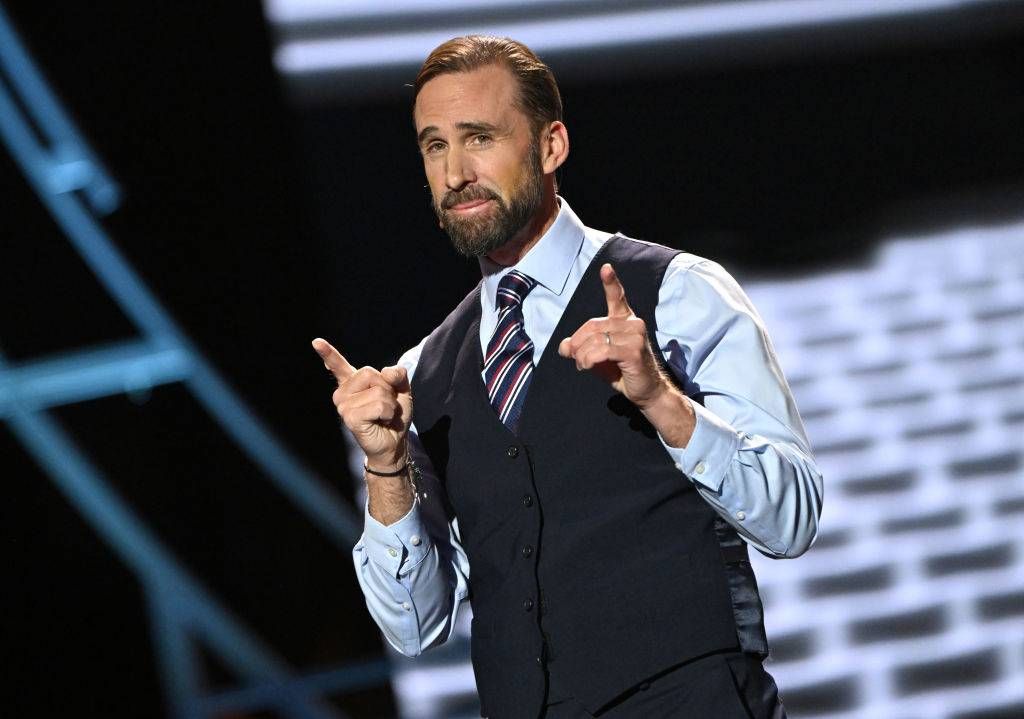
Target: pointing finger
x: 614, y: 293
x: 333, y: 360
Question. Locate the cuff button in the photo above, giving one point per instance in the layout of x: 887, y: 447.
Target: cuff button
x: 392, y: 551
x: 415, y: 540
x: 699, y: 469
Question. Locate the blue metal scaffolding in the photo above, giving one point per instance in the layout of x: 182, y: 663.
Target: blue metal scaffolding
x: 77, y: 191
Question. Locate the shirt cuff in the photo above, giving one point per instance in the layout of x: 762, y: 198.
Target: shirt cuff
x: 399, y: 547
x: 711, y: 449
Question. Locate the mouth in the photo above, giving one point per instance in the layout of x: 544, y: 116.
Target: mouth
x: 470, y: 207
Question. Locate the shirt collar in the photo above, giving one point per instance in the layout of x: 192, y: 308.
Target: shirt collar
x: 549, y: 261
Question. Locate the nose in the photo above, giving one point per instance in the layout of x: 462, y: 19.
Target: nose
x: 458, y: 169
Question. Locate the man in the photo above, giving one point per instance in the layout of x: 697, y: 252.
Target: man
x: 593, y: 429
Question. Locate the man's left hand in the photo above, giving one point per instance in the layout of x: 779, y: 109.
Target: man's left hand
x: 617, y: 348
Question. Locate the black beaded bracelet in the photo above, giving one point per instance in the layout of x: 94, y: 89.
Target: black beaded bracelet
x: 396, y: 473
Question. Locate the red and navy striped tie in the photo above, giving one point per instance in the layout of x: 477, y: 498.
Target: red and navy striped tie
x: 509, y: 360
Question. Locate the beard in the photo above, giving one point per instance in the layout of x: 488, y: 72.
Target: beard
x: 478, y: 236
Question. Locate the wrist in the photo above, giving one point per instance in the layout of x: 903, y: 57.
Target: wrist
x: 390, y: 497
x: 671, y: 413
x: 388, y: 462
x: 386, y: 468
x: 402, y: 471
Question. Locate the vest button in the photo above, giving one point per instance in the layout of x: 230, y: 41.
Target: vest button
x: 540, y: 662
x: 527, y: 500
x: 512, y: 451
x: 527, y: 550
x: 527, y: 604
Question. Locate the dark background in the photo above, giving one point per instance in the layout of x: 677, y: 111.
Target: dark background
x: 261, y: 224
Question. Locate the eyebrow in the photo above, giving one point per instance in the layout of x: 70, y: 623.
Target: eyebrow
x: 470, y: 126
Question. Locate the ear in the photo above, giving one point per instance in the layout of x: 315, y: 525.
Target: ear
x: 554, y: 147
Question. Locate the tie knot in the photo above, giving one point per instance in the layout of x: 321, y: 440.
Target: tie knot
x: 513, y: 289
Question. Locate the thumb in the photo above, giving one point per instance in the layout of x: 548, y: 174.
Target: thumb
x: 397, y: 377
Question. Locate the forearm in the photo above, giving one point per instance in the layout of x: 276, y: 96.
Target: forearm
x: 412, y: 569
x: 769, y: 489
x: 389, y: 498
x: 672, y: 415
x: 777, y: 491
x: 747, y: 453
x: 414, y: 585
x: 409, y: 563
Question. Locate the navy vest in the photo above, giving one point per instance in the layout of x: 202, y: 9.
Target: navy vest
x: 592, y: 560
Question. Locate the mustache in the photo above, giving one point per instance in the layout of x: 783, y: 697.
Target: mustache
x: 469, y: 194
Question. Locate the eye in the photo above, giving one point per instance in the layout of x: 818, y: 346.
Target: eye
x: 433, y: 147
x: 480, y: 139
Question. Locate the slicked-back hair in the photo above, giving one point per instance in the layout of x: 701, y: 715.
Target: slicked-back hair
x: 538, y: 97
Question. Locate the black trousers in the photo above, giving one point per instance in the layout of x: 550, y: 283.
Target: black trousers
x: 730, y: 685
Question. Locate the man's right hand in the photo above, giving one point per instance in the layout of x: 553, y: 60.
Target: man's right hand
x: 376, y: 407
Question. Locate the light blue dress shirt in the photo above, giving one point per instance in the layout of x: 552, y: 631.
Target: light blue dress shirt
x: 748, y: 457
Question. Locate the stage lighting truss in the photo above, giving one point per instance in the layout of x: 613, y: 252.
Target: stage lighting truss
x: 77, y: 190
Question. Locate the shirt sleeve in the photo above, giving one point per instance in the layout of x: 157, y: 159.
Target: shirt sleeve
x: 414, y: 573
x: 749, y: 456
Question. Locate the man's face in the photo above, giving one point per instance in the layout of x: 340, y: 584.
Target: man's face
x: 481, y: 157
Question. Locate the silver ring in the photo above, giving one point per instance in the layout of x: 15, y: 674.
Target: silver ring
x: 607, y: 338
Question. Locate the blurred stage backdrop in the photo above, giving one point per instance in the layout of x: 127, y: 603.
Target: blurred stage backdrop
x: 191, y: 192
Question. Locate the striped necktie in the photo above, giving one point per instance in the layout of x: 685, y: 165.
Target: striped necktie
x: 509, y: 360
